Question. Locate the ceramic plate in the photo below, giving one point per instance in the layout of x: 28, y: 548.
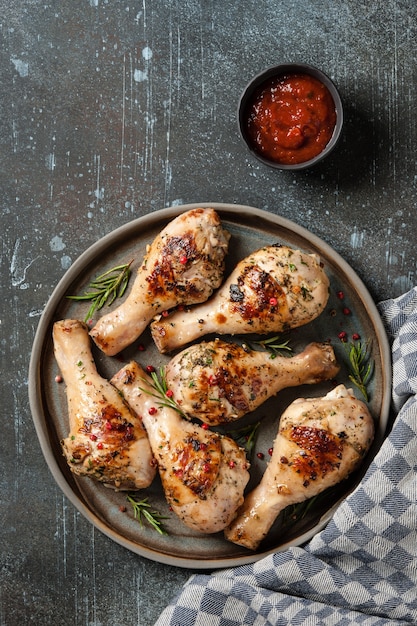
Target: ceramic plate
x: 250, y: 229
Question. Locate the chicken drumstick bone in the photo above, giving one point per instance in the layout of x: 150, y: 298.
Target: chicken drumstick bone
x: 219, y: 382
x: 184, y: 264
x: 203, y: 474
x: 273, y: 289
x: 320, y: 442
x: 107, y: 440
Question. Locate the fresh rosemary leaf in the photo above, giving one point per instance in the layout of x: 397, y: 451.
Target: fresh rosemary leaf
x: 142, y: 509
x: 160, y: 391
x: 245, y: 437
x: 361, y: 366
x: 274, y: 345
x: 297, y: 512
x: 105, y: 288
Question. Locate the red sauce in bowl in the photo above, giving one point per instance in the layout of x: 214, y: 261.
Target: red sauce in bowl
x: 291, y: 118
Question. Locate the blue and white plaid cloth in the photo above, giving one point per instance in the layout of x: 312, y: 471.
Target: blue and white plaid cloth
x: 362, y: 568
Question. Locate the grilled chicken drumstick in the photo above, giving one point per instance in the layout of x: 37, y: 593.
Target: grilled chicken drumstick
x: 203, y: 474
x: 219, y: 382
x: 107, y: 440
x: 320, y: 442
x: 184, y: 264
x: 273, y: 289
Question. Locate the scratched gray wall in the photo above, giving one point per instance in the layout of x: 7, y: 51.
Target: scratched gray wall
x: 113, y: 109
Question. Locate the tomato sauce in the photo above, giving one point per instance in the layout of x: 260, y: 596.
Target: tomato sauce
x: 291, y: 118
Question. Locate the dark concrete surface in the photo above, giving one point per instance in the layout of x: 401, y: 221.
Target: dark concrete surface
x: 110, y: 110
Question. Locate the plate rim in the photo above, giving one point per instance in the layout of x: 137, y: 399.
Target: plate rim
x: 34, y: 376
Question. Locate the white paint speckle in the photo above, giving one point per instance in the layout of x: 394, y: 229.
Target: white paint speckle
x: 56, y: 244
x: 392, y: 258
x: 357, y: 238
x: 19, y: 267
x: 21, y: 67
x: 139, y: 76
x: 50, y: 162
x: 147, y: 53
x: 66, y: 262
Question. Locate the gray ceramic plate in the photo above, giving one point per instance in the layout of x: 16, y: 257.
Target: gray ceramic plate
x: 250, y: 229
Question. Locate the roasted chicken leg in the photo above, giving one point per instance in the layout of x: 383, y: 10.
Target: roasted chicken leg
x: 203, y: 474
x: 184, y: 264
x: 219, y: 382
x: 107, y: 440
x: 320, y: 442
x: 273, y: 289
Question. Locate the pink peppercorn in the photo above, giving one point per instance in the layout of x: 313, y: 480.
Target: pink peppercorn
x: 152, y: 410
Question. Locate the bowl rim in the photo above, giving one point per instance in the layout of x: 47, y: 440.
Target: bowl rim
x: 292, y: 68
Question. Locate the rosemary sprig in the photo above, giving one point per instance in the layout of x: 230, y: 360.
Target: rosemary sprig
x: 361, y: 367
x: 245, y: 437
x: 161, y: 392
x: 297, y: 512
x: 106, y: 288
x: 274, y: 345
x: 142, y: 509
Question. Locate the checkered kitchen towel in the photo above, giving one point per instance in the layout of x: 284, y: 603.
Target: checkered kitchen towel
x: 362, y: 568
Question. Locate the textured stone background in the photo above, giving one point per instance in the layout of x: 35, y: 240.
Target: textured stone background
x: 110, y: 110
